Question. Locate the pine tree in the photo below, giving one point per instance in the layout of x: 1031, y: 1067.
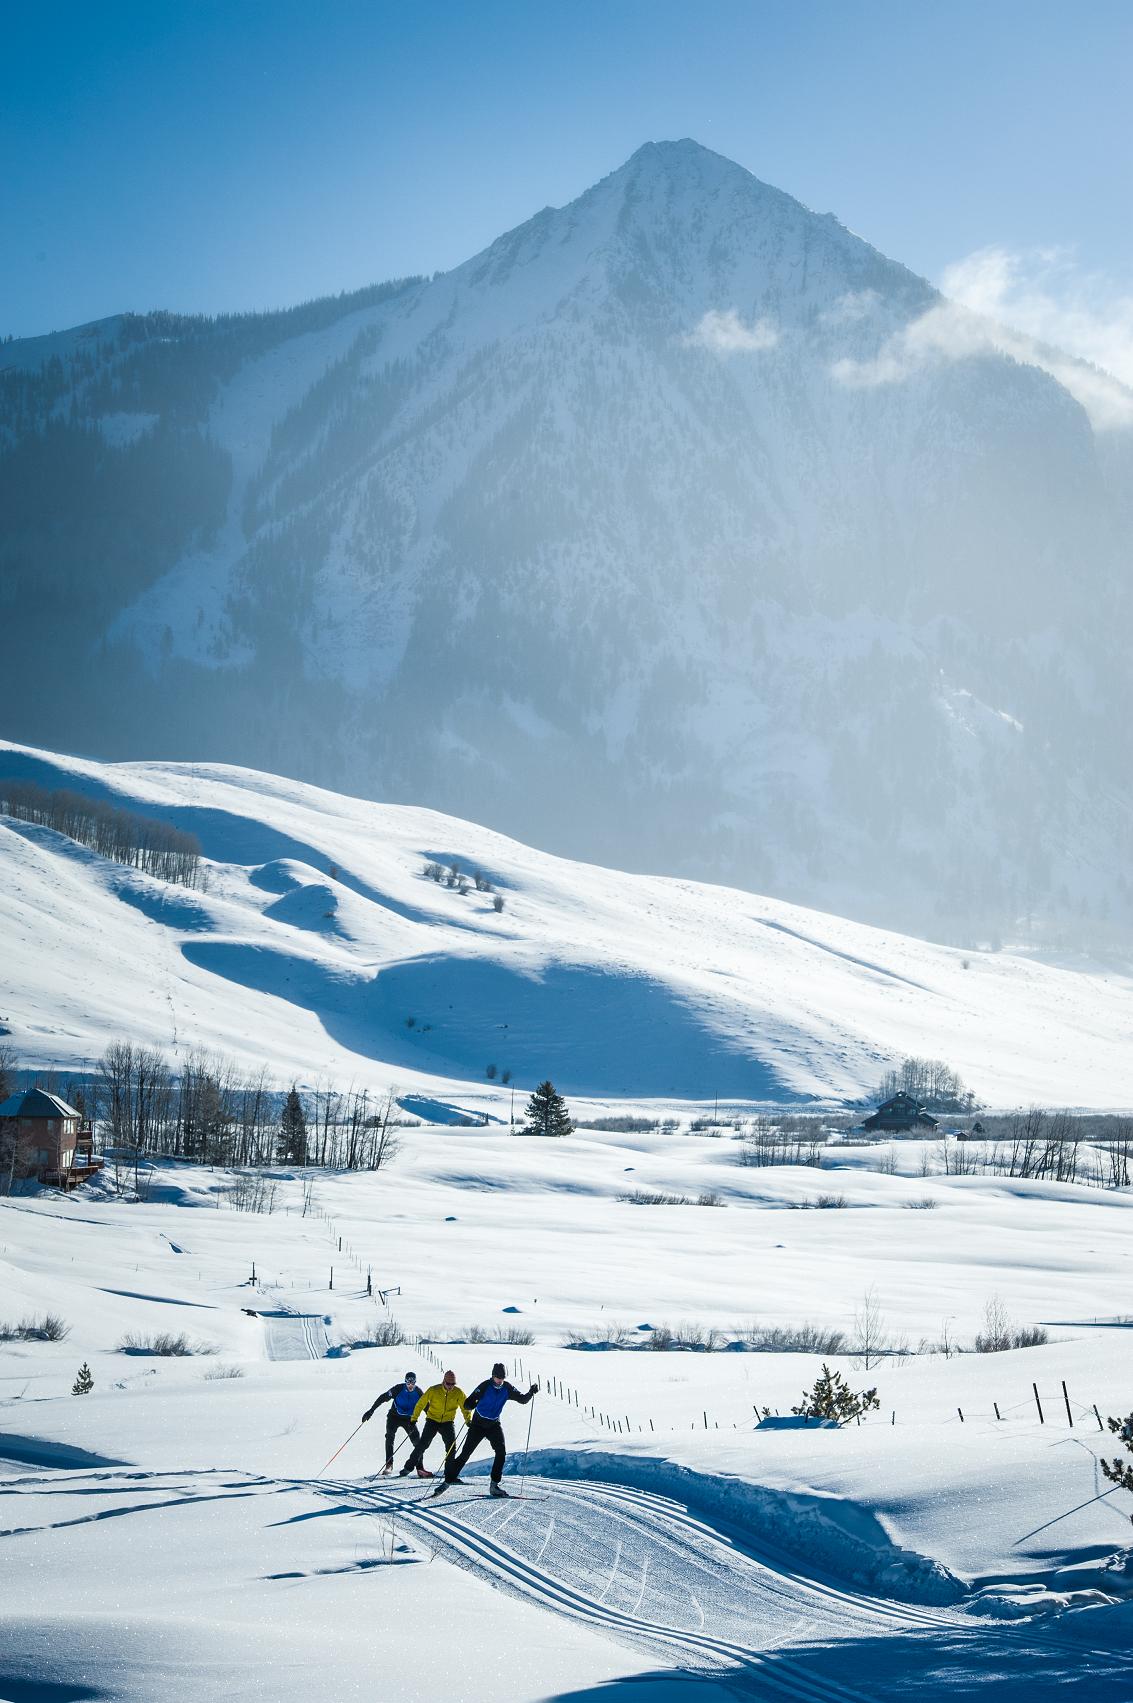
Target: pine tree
x: 547, y: 1112
x: 1120, y: 1472
x: 832, y: 1398
x: 291, y: 1146
x: 84, y: 1383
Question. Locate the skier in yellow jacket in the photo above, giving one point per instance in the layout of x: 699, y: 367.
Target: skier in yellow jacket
x: 440, y: 1404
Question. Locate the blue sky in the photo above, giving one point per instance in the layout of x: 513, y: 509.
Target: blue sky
x: 210, y: 156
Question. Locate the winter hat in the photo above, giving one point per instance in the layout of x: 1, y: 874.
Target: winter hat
x: 410, y: 1377
x: 498, y: 1370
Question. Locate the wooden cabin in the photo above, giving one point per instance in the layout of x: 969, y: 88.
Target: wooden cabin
x: 900, y: 1115
x: 41, y: 1136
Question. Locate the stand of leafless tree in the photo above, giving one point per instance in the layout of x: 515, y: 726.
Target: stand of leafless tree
x: 155, y: 847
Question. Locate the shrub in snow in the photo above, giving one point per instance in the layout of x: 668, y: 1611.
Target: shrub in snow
x: 84, y: 1383
x: 517, y: 1336
x: 164, y: 1343
x: 624, y: 1125
x: 648, y: 1197
x: 498, y: 903
x: 1000, y: 1333
x: 795, y: 1339
x: 832, y: 1398
x: 710, y: 1198
x: 218, y: 1374
x: 49, y: 1328
x: 384, y: 1333
x: 925, y: 1204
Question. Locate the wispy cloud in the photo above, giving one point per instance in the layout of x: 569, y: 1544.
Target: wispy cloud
x: 1038, y: 307
x: 724, y: 332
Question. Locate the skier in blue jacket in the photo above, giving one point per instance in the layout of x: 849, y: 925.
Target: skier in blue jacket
x: 404, y: 1398
x: 487, y: 1402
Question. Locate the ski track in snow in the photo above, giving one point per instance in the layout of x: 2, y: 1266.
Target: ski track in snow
x: 590, y: 1551
x: 289, y: 1335
x: 629, y: 1564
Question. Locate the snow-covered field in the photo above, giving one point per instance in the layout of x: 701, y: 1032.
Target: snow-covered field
x: 322, y: 950
x: 170, y: 1535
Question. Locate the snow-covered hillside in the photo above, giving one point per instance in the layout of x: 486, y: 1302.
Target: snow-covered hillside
x: 680, y: 529
x: 321, y: 949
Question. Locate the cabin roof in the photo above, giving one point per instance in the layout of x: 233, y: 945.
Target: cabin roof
x: 37, y: 1103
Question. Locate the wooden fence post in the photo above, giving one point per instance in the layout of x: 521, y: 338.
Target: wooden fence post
x: 1038, y: 1404
x: 1066, y: 1399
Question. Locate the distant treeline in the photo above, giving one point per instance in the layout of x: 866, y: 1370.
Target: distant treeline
x: 204, y: 1107
x: 155, y: 847
x: 146, y: 1105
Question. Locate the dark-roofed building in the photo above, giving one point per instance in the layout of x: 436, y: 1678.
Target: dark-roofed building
x: 41, y: 1136
x: 899, y: 1115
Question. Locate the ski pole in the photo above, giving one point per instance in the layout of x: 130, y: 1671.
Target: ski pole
x: 340, y: 1448
x: 527, y: 1445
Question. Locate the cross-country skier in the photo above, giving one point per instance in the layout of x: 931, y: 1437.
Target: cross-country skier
x: 440, y: 1404
x: 404, y: 1397
x: 488, y: 1401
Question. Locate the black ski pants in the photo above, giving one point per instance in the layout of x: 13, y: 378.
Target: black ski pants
x: 396, y: 1422
x: 482, y: 1431
x: 442, y: 1428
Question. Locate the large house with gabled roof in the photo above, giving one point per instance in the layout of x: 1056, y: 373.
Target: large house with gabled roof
x: 900, y: 1114
x: 41, y: 1136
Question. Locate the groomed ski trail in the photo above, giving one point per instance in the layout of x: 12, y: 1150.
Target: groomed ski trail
x: 589, y: 1544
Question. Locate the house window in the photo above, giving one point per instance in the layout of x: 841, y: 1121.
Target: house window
x: 42, y: 1156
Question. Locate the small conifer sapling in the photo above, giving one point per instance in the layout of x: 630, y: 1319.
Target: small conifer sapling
x: 832, y: 1398
x: 1120, y: 1472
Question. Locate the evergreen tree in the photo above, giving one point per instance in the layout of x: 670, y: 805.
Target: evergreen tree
x: 832, y: 1398
x: 547, y: 1112
x: 1120, y: 1472
x: 291, y: 1146
x: 84, y: 1383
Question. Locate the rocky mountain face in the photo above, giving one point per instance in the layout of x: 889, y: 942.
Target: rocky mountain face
x: 679, y: 529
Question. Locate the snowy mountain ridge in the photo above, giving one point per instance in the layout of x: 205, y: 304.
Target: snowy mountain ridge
x: 321, y: 949
x: 681, y: 494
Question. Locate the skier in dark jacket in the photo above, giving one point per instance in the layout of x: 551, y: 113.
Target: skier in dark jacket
x: 404, y: 1397
x: 487, y: 1402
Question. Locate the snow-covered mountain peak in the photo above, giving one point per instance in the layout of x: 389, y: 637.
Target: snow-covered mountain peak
x: 650, y: 534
